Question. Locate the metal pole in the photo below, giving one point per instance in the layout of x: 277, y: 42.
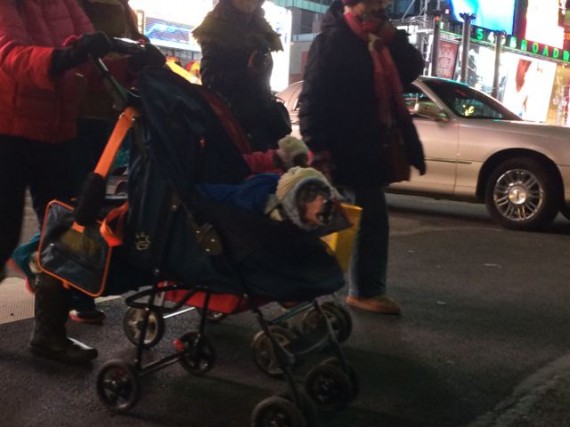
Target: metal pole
x: 498, y: 47
x: 435, y: 43
x: 467, y: 18
x: 408, y: 9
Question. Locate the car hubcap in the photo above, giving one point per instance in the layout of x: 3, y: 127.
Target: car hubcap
x: 518, y: 195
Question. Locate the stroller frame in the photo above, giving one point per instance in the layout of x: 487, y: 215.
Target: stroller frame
x: 330, y: 385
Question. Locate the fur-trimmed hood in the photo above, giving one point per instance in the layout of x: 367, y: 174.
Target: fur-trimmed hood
x: 223, y: 23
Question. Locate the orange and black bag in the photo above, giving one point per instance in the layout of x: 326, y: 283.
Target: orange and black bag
x: 77, y: 242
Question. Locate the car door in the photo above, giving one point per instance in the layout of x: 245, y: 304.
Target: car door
x: 440, y: 139
x: 290, y: 97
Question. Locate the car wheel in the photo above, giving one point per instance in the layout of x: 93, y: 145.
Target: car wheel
x: 521, y: 194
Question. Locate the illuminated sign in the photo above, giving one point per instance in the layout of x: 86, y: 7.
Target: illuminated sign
x: 486, y: 36
x: 170, y: 34
x: 545, y: 21
x: 493, y: 14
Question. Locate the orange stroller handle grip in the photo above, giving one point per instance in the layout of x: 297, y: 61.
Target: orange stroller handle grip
x: 124, y: 124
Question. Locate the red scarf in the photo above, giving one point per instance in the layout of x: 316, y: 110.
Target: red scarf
x: 387, y: 84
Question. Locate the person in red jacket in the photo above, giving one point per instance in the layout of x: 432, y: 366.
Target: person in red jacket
x: 42, y: 46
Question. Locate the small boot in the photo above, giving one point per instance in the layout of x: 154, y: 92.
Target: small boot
x: 49, y: 338
x: 84, y: 310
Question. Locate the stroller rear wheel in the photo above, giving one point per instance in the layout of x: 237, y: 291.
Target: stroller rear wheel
x: 263, y: 352
x: 305, y: 404
x: 339, y: 319
x: 329, y: 387
x: 350, y: 372
x: 277, y: 411
x: 133, y: 325
x: 118, y: 386
x: 198, y: 355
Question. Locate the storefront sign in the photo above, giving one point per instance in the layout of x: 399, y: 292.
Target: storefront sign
x: 485, y: 36
x: 446, y: 59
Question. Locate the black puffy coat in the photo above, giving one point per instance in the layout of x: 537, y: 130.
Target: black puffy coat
x: 230, y: 40
x: 339, y: 107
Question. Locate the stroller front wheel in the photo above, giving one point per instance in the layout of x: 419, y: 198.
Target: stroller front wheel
x: 305, y: 405
x: 350, y: 372
x: 198, y: 355
x: 329, y: 387
x: 118, y: 386
x: 277, y: 411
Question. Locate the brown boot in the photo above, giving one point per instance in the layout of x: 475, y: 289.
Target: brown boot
x: 378, y: 304
x: 49, y: 338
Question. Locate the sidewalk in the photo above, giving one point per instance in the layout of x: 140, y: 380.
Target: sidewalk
x: 542, y: 400
x: 16, y: 303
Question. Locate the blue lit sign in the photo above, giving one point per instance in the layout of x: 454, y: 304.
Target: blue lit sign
x: 492, y: 14
x: 169, y: 34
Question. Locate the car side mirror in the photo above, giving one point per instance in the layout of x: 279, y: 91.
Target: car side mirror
x: 429, y: 110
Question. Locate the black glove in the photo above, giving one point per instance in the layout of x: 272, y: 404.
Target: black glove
x: 94, y: 44
x: 150, y: 56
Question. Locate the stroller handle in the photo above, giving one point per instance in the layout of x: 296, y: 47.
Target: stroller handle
x: 126, y: 46
x: 121, y: 95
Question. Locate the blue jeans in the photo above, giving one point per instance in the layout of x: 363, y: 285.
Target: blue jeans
x: 369, y: 262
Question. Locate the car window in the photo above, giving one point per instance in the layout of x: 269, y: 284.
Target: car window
x: 413, y: 94
x: 295, y: 97
x: 297, y: 104
x: 469, y: 103
x: 414, y: 97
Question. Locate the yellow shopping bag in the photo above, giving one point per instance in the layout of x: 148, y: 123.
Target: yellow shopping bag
x: 342, y: 242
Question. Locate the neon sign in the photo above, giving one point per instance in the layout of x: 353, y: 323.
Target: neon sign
x: 486, y: 36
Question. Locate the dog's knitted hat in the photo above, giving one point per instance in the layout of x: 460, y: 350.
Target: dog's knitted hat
x: 290, y: 183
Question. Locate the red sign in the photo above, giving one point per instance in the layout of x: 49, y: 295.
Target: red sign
x: 446, y: 59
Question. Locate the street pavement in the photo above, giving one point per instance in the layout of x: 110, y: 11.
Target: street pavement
x: 482, y: 343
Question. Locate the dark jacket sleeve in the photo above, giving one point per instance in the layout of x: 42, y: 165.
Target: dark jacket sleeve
x: 223, y: 70
x: 317, y: 98
x: 408, y: 59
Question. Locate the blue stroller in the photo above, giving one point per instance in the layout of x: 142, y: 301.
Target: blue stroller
x: 200, y: 253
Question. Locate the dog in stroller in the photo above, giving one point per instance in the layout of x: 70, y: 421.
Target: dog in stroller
x: 202, y: 253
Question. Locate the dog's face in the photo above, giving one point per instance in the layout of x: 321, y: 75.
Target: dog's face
x: 314, y: 203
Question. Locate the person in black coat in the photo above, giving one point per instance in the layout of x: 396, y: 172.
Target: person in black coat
x: 351, y: 109
x: 236, y: 42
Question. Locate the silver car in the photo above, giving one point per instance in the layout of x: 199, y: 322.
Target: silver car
x: 479, y: 151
